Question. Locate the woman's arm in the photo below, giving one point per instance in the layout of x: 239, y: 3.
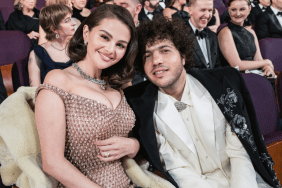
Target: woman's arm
x: 50, y: 120
x: 42, y: 36
x: 34, y: 70
x: 217, y: 22
x: 230, y: 53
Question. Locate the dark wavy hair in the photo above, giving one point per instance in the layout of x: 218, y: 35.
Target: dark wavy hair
x: 122, y: 72
x: 229, y: 3
x: 160, y: 29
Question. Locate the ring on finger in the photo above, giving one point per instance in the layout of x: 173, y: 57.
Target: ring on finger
x: 107, y: 154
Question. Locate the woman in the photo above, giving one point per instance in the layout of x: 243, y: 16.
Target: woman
x: 239, y: 45
x: 79, y: 10
x: 42, y: 34
x: 25, y: 19
x: 83, y: 120
x: 177, y: 8
x: 215, y: 21
x: 58, y: 25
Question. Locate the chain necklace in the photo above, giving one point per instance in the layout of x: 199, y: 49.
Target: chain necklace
x: 57, y: 48
x: 102, y: 83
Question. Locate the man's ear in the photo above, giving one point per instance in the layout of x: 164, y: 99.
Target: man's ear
x: 189, y: 10
x: 146, y: 3
x: 138, y: 8
x: 183, y: 60
x: 86, y: 33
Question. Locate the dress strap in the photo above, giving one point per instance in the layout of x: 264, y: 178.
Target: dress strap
x: 171, y: 7
x: 63, y: 94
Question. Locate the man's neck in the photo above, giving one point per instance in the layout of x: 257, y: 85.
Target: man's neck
x: 192, y: 23
x: 176, y: 90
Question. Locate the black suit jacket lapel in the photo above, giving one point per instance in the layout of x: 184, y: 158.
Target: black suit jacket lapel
x: 208, y: 45
x: 198, y: 50
x: 143, y: 107
x: 274, y: 18
x: 142, y: 15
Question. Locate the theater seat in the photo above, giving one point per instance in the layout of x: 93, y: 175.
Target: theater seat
x: 271, y: 48
x: 264, y: 101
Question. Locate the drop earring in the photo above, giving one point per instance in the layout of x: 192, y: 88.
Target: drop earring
x: 85, y: 43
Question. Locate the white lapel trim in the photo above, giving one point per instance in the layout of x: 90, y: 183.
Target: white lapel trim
x: 169, y: 114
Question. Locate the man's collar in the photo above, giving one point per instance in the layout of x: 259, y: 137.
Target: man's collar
x: 193, y: 27
x: 145, y: 10
x: 260, y: 6
x: 274, y: 10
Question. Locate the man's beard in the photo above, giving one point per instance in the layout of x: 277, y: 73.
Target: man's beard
x: 156, y: 6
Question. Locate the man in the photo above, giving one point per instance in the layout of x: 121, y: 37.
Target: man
x: 206, y: 48
x: 133, y: 6
x: 191, y: 126
x: 150, y: 8
x: 257, y: 9
x: 269, y: 23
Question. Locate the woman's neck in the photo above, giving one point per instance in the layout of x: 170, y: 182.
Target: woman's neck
x: 89, y: 68
x: 27, y: 11
x: 239, y: 24
x: 78, y: 8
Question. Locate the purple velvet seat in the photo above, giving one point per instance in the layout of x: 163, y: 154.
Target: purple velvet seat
x: 278, y: 90
x: 221, y: 26
x: 94, y: 8
x: 40, y: 4
x: 271, y: 48
x: 14, y: 49
x: 265, y: 105
x: 221, y: 10
x: 6, y: 11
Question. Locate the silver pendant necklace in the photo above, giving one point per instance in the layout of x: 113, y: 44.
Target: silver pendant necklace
x: 102, y: 83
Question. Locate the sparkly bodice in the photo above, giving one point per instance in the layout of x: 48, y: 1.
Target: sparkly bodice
x: 88, y: 120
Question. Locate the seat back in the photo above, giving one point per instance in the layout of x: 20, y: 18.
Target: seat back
x: 40, y: 4
x: 218, y: 4
x: 271, y: 48
x: 6, y: 11
x: 221, y: 26
x: 264, y: 101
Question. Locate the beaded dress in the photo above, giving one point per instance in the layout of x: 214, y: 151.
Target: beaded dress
x: 88, y: 120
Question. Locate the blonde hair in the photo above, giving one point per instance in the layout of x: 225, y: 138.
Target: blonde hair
x: 17, y: 5
x: 52, y: 2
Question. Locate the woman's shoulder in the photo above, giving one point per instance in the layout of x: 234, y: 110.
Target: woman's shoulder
x: 224, y: 32
x: 86, y: 11
x: 58, y: 78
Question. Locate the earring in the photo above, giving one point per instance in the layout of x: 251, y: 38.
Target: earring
x: 21, y: 5
x: 85, y: 43
x: 57, y: 35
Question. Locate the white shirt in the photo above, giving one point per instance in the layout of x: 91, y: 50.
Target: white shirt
x: 275, y: 12
x: 260, y: 6
x: 202, y: 43
x: 150, y: 16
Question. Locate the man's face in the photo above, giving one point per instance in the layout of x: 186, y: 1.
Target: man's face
x: 201, y: 13
x: 277, y: 4
x: 128, y: 4
x: 163, y: 64
x: 264, y: 3
x: 154, y: 4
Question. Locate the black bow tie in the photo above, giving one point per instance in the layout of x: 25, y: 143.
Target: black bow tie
x: 150, y: 13
x: 263, y: 8
x: 279, y: 14
x: 202, y: 34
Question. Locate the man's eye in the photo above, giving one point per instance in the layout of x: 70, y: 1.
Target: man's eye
x: 146, y: 56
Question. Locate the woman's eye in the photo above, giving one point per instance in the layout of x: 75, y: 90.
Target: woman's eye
x: 105, y: 37
x: 120, y: 45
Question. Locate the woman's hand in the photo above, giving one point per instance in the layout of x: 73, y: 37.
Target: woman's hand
x: 268, y: 72
x: 269, y: 63
x: 117, y: 147
x: 33, y: 35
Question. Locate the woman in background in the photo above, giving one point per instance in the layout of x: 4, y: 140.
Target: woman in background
x: 177, y: 8
x: 83, y: 121
x: 25, y: 19
x: 239, y: 44
x: 42, y: 34
x: 215, y: 21
x: 79, y: 10
x: 58, y: 25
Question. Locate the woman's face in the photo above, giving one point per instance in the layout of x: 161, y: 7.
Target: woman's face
x: 239, y: 11
x: 107, y: 42
x: 28, y: 4
x: 79, y: 4
x: 67, y: 26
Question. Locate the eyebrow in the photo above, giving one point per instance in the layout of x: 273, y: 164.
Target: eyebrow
x: 67, y: 18
x: 122, y: 41
x: 161, y: 47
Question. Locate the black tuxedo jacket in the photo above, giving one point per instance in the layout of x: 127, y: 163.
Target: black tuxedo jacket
x: 267, y: 25
x: 212, y: 48
x: 2, y: 24
x: 254, y: 13
x: 142, y: 16
x: 142, y: 97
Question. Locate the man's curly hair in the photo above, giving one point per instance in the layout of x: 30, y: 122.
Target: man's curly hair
x: 160, y: 29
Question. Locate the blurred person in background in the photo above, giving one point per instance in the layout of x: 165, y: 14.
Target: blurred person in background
x: 68, y: 3
x: 58, y: 25
x: 25, y: 18
x: 79, y: 10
